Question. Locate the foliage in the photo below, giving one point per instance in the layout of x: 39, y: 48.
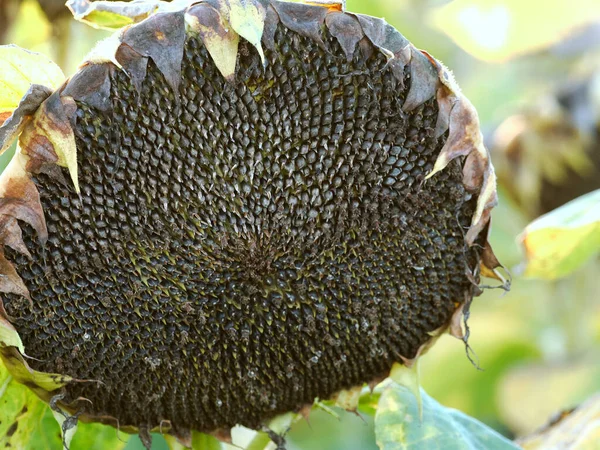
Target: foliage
x: 398, y: 426
x: 561, y: 241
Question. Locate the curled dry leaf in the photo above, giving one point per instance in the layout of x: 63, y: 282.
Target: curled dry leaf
x: 245, y: 200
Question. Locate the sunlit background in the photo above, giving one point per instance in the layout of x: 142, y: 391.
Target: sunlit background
x: 532, y: 69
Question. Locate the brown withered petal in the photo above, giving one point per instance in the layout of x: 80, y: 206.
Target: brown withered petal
x: 134, y: 64
x: 91, y: 85
x: 346, y: 30
x: 248, y: 235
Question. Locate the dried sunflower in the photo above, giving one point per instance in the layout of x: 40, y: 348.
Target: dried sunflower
x: 549, y: 154
x: 235, y: 207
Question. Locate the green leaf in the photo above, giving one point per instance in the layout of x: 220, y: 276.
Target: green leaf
x: 95, y: 436
x: 496, y: 30
x: 19, y: 69
x: 26, y: 423
x: 561, y: 241
x: 368, y: 403
x: 397, y: 425
x: 409, y: 378
x: 172, y: 443
x: 201, y: 441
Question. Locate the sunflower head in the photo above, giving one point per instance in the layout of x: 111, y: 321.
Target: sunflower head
x: 236, y: 207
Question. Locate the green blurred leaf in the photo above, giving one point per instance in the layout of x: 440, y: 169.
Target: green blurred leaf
x: 95, y: 436
x: 201, y: 441
x: 397, y: 425
x: 368, y: 403
x: 495, y: 30
x: 561, y: 241
x: 26, y: 423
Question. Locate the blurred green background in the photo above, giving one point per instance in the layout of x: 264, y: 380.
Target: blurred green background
x: 538, y: 346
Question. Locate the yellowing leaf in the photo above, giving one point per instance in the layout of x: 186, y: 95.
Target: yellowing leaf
x: 41, y: 382
x: 409, y: 378
x: 495, y: 30
x: 19, y: 69
x: 26, y: 422
x: 110, y: 15
x: 218, y: 37
x: 247, y: 18
x: 9, y: 336
x: 561, y: 241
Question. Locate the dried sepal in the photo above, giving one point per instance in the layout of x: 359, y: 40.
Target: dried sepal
x: 12, y: 123
x: 423, y: 84
x: 91, y: 85
x: 160, y: 37
x: 444, y: 108
x: 67, y: 424
x: 218, y: 37
x: 347, y: 30
x: 389, y: 41
x: 11, y: 282
x: 11, y: 235
x: 456, y: 323
x: 134, y: 64
x: 270, y: 27
x: 19, y: 197
x: 489, y: 265
x: 332, y: 5
x: 222, y: 435
x: 105, y: 51
x: 49, y: 135
x: 464, y: 133
x: 465, y: 140
x: 305, y: 19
